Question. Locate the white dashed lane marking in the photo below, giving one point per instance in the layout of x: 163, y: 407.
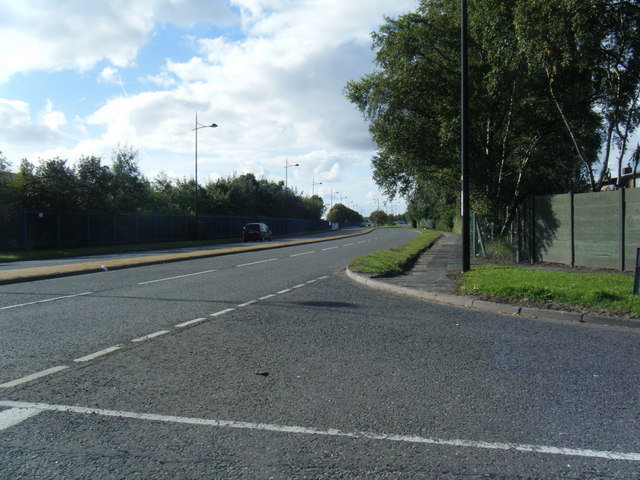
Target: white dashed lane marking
x: 33, y: 376
x: 257, y: 263
x: 22, y: 410
x: 106, y: 351
x: 150, y: 336
x: 95, y: 355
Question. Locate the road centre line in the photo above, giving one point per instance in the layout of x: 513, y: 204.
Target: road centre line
x: 267, y: 296
x: 286, y: 290
x: 299, y: 286
x: 246, y: 304
x: 330, y: 248
x: 28, y: 409
x: 222, y: 312
x: 348, y: 244
x: 33, y: 376
x: 13, y: 416
x: 256, y: 263
x: 151, y: 335
x: 190, y: 322
x: 176, y: 277
x: 95, y: 355
x: 300, y: 254
x: 45, y: 301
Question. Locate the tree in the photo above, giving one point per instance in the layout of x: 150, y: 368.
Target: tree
x: 535, y: 117
x: 94, y: 184
x: 341, y: 214
x: 6, y: 190
x: 378, y: 217
x: 131, y: 190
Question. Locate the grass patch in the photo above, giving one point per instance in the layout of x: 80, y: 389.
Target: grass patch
x: 396, y: 260
x: 596, y: 292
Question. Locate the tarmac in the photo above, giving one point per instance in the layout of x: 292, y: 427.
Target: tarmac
x: 432, y: 278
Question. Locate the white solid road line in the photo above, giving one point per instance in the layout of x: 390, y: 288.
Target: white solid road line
x: 222, y: 312
x: 45, y: 301
x: 256, y: 263
x: 176, y: 277
x: 151, y: 335
x: 33, y: 376
x: 95, y: 355
x: 13, y: 416
x: 27, y: 409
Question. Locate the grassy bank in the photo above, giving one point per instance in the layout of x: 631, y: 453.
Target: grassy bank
x: 598, y: 292
x: 396, y: 260
x: 607, y: 293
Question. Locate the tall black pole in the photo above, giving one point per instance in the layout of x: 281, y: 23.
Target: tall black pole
x: 464, y: 100
x: 196, y: 178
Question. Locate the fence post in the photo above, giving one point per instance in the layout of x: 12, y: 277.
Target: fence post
x: 572, y: 237
x: 622, y: 228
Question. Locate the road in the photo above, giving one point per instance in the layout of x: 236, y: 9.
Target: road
x: 273, y: 364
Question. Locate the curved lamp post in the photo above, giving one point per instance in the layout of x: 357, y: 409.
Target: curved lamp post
x: 286, y: 192
x: 198, y: 127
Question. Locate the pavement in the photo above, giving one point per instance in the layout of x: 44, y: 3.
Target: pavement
x: 429, y: 279
x: 432, y: 278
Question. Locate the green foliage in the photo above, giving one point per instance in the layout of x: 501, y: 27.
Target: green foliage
x: 379, y: 217
x: 546, y: 78
x: 122, y: 188
x: 396, y: 260
x: 591, y: 291
x: 342, y: 214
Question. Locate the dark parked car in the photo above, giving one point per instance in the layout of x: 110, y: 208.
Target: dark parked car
x: 256, y: 231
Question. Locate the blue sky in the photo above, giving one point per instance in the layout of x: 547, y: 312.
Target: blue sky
x: 81, y: 78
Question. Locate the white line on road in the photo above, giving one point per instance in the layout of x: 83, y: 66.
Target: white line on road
x: 348, y: 244
x: 95, y: 355
x: 45, y: 301
x: 286, y: 290
x: 299, y: 286
x: 246, y: 304
x: 268, y: 296
x: 190, y: 322
x: 176, y: 277
x: 13, y: 416
x: 292, y: 429
x: 33, y: 376
x: 151, y: 335
x: 222, y: 312
x: 363, y: 241
x: 330, y: 248
x: 300, y: 254
x: 256, y: 263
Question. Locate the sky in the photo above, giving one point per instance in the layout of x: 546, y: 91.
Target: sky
x: 81, y: 78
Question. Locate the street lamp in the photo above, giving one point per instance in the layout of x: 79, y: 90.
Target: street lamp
x: 286, y: 192
x: 198, y: 127
x: 331, y: 203
x: 313, y: 184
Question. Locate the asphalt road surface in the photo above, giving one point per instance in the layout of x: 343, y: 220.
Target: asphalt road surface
x: 273, y: 364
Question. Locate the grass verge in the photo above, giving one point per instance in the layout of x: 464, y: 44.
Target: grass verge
x: 593, y: 292
x: 396, y: 260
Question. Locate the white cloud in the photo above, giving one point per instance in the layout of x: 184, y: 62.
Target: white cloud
x: 276, y: 92
x: 77, y: 34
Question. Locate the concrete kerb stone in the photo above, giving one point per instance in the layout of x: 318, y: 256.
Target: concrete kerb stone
x: 504, y: 309
x: 27, y: 274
